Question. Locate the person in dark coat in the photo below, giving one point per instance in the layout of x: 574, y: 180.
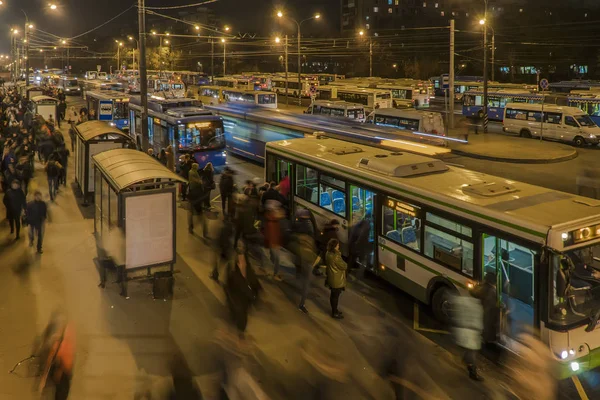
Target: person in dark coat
x: 272, y: 233
x: 195, y: 199
x: 61, y: 109
x: 272, y: 194
x: 184, y: 171
x: 486, y: 293
x: 10, y: 174
x: 336, y: 276
x: 242, y: 287
x: 358, y: 243
x: 53, y: 172
x: 208, y: 181
x: 24, y: 172
x: 37, y: 213
x: 306, y: 252
x: 162, y: 157
x: 14, y: 201
x: 330, y: 231
x: 225, y: 248
x: 227, y: 187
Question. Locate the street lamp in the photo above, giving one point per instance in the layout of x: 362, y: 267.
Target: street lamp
x: 137, y: 47
x: 299, y: 25
x: 119, y: 45
x: 224, y: 54
x: 485, y: 24
x: 53, y: 6
x: 361, y: 33
x: 285, y: 45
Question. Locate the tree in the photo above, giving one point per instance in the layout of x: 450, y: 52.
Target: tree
x: 163, y: 58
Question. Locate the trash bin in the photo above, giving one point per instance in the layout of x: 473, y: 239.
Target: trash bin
x: 162, y: 287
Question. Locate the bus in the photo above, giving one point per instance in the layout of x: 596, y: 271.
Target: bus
x: 207, y: 94
x: 190, y: 78
x: 69, y: 85
x: 182, y: 124
x: 437, y: 230
x: 249, y: 128
x: 295, y: 88
x: 568, y: 86
x: 558, y: 123
x: 370, y: 98
x: 407, y: 95
x: 248, y: 84
x: 473, y: 102
x: 225, y: 82
x: 589, y: 103
x: 259, y: 98
x: 338, y: 108
x: 110, y: 106
x: 409, y: 119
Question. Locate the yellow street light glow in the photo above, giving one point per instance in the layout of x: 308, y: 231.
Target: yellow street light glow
x: 64, y: 42
x: 317, y: 16
x: 15, y: 31
x: 120, y: 43
x: 222, y: 40
x: 361, y: 33
x: 154, y: 32
x: 24, y: 40
x: 53, y: 6
x: 130, y: 37
x: 30, y: 26
x: 54, y: 47
x: 168, y: 34
x: 482, y: 22
x: 226, y: 29
x: 166, y: 42
x: 1, y: 2
x: 197, y: 27
x: 279, y: 14
x: 41, y: 50
x: 277, y: 39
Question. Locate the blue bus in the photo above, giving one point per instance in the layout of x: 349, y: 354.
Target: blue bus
x: 110, y: 106
x: 249, y: 128
x: 473, y: 102
x: 588, y: 103
x: 182, y: 124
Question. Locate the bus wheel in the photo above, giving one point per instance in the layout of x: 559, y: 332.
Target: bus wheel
x: 440, y: 304
x: 480, y: 114
x: 525, y: 133
x: 579, y: 142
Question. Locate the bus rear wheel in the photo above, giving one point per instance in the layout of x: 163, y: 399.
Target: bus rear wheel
x: 440, y: 304
x: 525, y: 133
x: 480, y: 114
x: 579, y: 141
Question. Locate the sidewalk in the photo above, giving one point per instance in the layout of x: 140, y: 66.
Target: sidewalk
x: 123, y: 344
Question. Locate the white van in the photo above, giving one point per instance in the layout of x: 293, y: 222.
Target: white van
x: 409, y: 119
x: 337, y: 109
x: 565, y: 124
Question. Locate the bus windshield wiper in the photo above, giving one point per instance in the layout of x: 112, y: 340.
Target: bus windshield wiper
x: 593, y: 322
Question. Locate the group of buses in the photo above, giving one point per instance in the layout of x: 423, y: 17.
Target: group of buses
x: 436, y: 230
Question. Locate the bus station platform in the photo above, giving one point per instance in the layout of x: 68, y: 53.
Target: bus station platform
x: 512, y: 149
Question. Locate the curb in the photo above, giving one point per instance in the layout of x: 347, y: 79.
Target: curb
x: 567, y: 157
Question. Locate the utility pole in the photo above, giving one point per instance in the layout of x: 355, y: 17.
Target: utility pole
x: 299, y: 70
x: 493, y: 53
x: 451, y: 77
x: 286, y: 70
x: 143, y: 72
x: 370, y: 57
x: 224, y: 56
x: 118, y: 57
x: 212, y: 59
x: 485, y: 71
x: 26, y: 48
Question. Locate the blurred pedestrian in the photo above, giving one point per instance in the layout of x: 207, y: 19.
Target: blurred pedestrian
x: 487, y: 294
x: 358, y: 242
x: 14, y: 201
x: 227, y: 187
x: 242, y: 287
x: 467, y: 321
x: 336, y: 276
x: 170, y: 158
x: 36, y: 214
x: 53, y: 172
x: 272, y: 233
x: 72, y: 116
x: 330, y: 231
x: 184, y: 170
x: 196, y: 199
x: 305, y: 251
x: 162, y: 157
x: 24, y: 172
x: 151, y: 153
x: 224, y: 247
x: 208, y: 181
x: 61, y: 109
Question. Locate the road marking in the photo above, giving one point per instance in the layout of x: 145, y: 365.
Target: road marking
x: 416, y: 326
x: 579, y: 388
x: 215, y: 198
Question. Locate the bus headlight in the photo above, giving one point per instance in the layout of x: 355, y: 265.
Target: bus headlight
x: 574, y: 366
x: 592, y: 136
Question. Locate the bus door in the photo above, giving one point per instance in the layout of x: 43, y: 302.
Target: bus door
x: 361, y: 236
x: 509, y: 268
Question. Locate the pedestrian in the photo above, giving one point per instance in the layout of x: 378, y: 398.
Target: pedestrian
x: 50, y: 122
x: 24, y: 172
x: 226, y: 187
x: 305, y: 251
x: 208, y: 181
x: 36, y: 214
x: 14, y: 201
x: 336, y: 276
x: 272, y: 234
x: 467, y: 325
x: 72, y: 137
x: 184, y: 171
x: 486, y: 293
x: 358, y: 242
x: 162, y: 157
x: 151, y: 153
x: 53, y: 173
x: 61, y: 109
x: 225, y: 247
x: 92, y: 115
x: 330, y: 231
x: 272, y: 194
x: 170, y: 158
x: 195, y: 200
x: 242, y: 287
x: 9, y: 175
x: 72, y: 116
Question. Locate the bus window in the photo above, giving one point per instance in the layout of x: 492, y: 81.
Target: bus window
x: 306, y: 183
x: 150, y: 130
x: 266, y: 99
x: 332, y: 195
x: 449, y: 243
x: 401, y: 223
x: 201, y: 134
x: 325, y: 111
x: 337, y: 112
x: 552, y: 118
x: 356, y: 114
x: 120, y: 110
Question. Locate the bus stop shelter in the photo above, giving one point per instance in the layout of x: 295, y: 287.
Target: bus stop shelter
x: 134, y: 211
x: 45, y: 106
x: 91, y: 138
x: 33, y: 91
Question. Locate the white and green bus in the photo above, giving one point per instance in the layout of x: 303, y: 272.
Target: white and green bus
x: 437, y: 229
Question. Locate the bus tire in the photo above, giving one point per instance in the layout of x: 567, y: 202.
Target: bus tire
x: 525, y: 133
x: 440, y: 304
x: 579, y: 141
x: 480, y: 114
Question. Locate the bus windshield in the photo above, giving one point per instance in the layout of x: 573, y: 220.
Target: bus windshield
x: 580, y: 297
x: 203, y: 135
x: 585, y: 121
x: 121, y: 110
x: 267, y: 99
x: 356, y: 114
x: 70, y: 82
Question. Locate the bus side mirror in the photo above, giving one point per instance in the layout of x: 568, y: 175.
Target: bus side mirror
x: 562, y: 282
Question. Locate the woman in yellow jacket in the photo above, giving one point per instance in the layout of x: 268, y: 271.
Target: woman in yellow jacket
x: 336, y: 275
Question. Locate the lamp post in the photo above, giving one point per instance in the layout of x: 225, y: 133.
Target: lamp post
x: 13, y: 49
x: 137, y: 47
x: 224, y: 54
x: 285, y: 52
x: 362, y: 33
x: 143, y: 143
x: 299, y: 25
x: 484, y: 23
x: 119, y: 45
x: 26, y: 29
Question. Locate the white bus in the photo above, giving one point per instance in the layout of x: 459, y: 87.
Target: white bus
x: 225, y: 82
x: 437, y: 230
x: 337, y: 109
x: 206, y: 94
x: 409, y: 119
x: 407, y: 95
x: 278, y: 86
x: 370, y: 98
x: 259, y: 98
x: 564, y: 124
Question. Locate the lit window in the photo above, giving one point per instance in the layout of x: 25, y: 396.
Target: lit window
x: 375, y: 9
x: 424, y: 4
x: 390, y: 10
x: 453, y: 13
x: 442, y: 13
x: 368, y: 26
x: 390, y: 2
x: 367, y: 17
x: 436, y: 5
x: 467, y: 14
x: 585, y: 15
x: 396, y: 2
x: 520, y: 10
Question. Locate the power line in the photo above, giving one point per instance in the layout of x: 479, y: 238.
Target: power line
x: 182, y: 6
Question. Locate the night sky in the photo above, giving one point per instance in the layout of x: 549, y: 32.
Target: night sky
x: 77, y: 16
